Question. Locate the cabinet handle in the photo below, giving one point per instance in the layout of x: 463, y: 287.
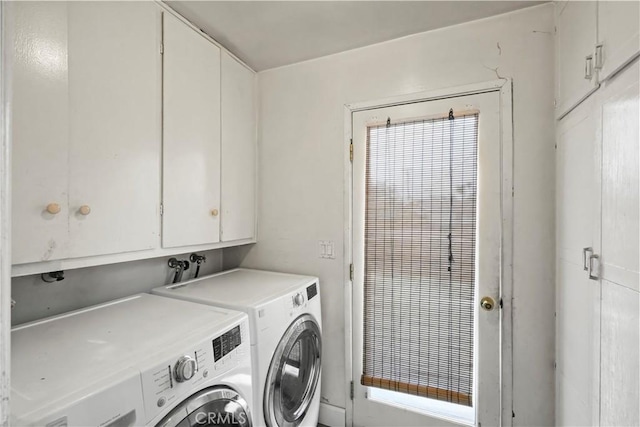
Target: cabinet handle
x: 588, y: 67
x: 53, y: 208
x: 584, y: 257
x: 214, y: 212
x: 599, y: 57
x: 85, y: 210
x: 592, y: 276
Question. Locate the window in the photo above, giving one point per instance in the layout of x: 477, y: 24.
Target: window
x: 420, y: 251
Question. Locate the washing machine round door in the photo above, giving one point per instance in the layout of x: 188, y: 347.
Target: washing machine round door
x: 293, y: 374
x: 216, y: 406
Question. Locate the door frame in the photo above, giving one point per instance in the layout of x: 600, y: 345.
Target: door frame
x: 504, y: 87
x: 5, y: 220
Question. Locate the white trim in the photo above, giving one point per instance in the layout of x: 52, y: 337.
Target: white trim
x: 506, y: 287
x: 68, y: 264
x: 566, y: 108
x: 504, y: 86
x: 452, y: 92
x: 331, y: 416
x: 348, y: 257
x: 5, y: 224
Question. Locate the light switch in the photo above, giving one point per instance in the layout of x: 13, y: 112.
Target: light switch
x: 327, y: 249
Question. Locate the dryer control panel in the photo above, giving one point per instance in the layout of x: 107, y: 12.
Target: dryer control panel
x: 168, y: 383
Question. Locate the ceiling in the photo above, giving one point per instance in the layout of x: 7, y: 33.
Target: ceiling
x: 269, y: 34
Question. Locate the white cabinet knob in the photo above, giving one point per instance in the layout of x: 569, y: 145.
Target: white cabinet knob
x: 85, y: 210
x: 214, y: 212
x: 53, y: 208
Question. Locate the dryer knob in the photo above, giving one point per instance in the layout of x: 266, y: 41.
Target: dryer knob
x: 298, y: 300
x: 185, y: 369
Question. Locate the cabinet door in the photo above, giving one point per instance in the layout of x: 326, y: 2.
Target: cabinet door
x: 575, y: 40
x: 577, y: 297
x: 114, y: 112
x: 620, y: 354
x: 620, y: 179
x: 238, y: 189
x: 620, y: 370
x: 191, y: 137
x: 40, y: 129
x: 619, y: 34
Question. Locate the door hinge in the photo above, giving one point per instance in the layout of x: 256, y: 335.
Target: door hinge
x: 351, y: 151
x: 351, y: 391
x: 351, y: 272
x: 161, y: 48
x: 161, y: 209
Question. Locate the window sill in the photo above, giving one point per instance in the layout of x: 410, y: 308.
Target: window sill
x: 458, y: 414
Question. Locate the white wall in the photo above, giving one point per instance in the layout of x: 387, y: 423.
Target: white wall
x: 301, y: 170
x: 83, y: 287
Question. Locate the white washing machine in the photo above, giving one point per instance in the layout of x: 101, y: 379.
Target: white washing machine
x: 143, y: 360
x: 286, y: 342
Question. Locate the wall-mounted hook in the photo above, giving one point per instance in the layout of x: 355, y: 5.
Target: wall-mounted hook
x: 52, y: 276
x: 180, y: 265
x: 197, y: 259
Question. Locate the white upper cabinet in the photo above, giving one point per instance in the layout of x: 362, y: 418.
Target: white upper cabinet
x: 114, y: 135
x: 40, y: 132
x: 238, y: 151
x: 618, y: 35
x: 133, y: 136
x: 191, y: 137
x: 576, y: 37
x: 86, y: 164
x: 594, y: 40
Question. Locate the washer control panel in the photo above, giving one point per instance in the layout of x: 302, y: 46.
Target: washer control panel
x: 185, y: 369
x: 226, y: 343
x: 298, y: 300
x: 168, y: 383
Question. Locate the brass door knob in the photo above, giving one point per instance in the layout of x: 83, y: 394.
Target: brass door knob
x: 214, y: 212
x: 85, y: 210
x: 487, y: 303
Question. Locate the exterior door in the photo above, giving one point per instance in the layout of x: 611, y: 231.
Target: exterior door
x: 294, y: 374
x: 427, y: 231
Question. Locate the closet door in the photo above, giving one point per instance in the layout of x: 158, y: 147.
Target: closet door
x: 40, y: 131
x: 114, y: 137
x: 620, y: 372
x: 577, y: 297
x: 191, y: 137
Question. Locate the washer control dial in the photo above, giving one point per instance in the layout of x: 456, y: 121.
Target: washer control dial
x: 185, y: 369
x: 298, y: 300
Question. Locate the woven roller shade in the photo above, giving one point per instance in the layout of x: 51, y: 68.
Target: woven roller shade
x: 420, y: 237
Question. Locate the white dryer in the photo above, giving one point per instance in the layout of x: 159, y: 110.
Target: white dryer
x: 286, y: 341
x: 142, y: 360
